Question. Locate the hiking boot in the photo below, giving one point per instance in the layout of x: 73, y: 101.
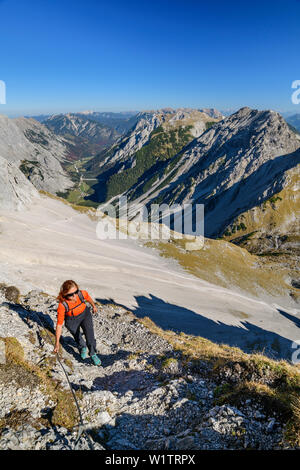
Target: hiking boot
x: 96, y: 360
x: 84, y: 353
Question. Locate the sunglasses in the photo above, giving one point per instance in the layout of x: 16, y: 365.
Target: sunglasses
x: 68, y: 296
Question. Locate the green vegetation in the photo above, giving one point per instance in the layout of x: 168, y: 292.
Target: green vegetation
x: 222, y: 389
x: 272, y: 201
x: 81, y: 189
x: 78, y: 194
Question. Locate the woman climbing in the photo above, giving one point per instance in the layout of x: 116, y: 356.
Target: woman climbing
x: 73, y: 310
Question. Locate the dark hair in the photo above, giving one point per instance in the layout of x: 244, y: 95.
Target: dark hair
x: 64, y: 289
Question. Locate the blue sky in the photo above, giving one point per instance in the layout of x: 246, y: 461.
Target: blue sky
x: 63, y: 55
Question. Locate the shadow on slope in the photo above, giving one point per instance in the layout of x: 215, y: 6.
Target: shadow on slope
x: 246, y: 336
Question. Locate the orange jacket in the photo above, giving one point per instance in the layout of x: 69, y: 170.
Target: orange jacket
x: 74, y: 307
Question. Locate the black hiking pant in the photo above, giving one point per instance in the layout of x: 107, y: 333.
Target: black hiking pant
x: 82, y: 321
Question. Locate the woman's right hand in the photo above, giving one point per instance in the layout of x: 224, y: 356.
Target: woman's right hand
x: 57, y: 338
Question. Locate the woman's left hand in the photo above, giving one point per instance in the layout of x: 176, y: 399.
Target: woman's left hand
x: 95, y: 309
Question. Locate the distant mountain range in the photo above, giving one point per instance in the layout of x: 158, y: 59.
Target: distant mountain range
x: 121, y: 122
x: 243, y: 168
x: 156, y: 137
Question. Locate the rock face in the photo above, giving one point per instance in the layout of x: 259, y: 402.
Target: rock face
x: 145, y: 395
x: 16, y: 192
x: 36, y: 151
x: 234, y: 166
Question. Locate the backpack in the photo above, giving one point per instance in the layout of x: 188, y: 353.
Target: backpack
x: 65, y: 304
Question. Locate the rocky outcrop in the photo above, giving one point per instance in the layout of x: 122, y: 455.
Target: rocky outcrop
x: 16, y: 192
